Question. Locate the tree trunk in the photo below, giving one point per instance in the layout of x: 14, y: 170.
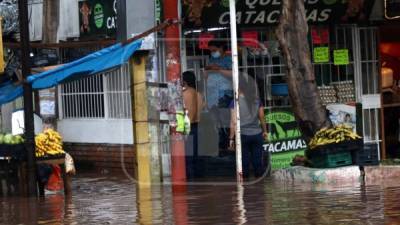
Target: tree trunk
x: 51, y: 18
x: 292, y: 32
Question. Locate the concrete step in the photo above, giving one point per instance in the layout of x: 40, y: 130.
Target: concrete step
x: 341, y: 175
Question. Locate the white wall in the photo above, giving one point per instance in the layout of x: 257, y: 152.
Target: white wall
x: 96, y: 131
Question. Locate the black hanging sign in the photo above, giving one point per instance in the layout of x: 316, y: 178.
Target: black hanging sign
x: 215, y: 13
x: 392, y: 9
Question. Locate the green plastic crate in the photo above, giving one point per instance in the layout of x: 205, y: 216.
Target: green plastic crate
x: 332, y: 160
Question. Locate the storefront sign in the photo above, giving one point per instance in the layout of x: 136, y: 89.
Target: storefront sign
x: 321, y: 54
x: 341, y: 57
x: 284, y: 137
x: 392, y: 9
x: 98, y: 18
x: 215, y: 13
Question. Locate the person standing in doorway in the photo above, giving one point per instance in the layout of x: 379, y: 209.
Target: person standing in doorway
x: 193, y: 103
x: 252, y: 127
x: 219, y: 89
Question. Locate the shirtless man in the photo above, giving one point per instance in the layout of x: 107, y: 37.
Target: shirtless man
x: 193, y: 102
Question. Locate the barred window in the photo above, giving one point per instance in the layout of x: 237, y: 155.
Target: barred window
x: 105, y: 95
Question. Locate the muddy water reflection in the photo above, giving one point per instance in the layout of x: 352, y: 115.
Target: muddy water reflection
x: 113, y: 200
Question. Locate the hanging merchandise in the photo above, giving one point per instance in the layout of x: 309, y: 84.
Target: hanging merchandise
x: 316, y: 38
x: 204, y: 39
x: 250, y: 39
x: 324, y: 36
x: 320, y: 35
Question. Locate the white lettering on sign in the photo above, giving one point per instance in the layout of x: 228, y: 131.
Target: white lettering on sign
x: 311, y: 2
x: 324, y: 16
x: 313, y: 15
x: 251, y: 3
x: 284, y: 146
x: 271, y: 17
x: 260, y: 18
x: 249, y: 16
x: 111, y: 22
x: 224, y: 18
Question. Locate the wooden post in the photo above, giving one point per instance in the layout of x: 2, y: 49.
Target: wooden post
x: 51, y: 18
x: 292, y: 36
x: 140, y: 120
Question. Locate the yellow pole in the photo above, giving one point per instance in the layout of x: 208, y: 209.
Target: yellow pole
x: 140, y: 120
x: 1, y: 47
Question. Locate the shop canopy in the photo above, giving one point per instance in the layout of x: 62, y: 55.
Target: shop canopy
x: 92, y: 64
x: 9, y: 92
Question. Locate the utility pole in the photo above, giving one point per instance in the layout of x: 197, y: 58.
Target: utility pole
x: 28, y: 101
x: 173, y: 67
x: 235, y: 79
x: 51, y: 18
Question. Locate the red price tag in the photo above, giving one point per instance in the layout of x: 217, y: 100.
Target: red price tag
x: 204, y: 39
x: 250, y: 39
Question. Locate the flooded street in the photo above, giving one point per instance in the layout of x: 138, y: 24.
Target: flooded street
x: 114, y: 200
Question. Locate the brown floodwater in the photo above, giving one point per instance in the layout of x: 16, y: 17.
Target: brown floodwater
x: 110, y: 199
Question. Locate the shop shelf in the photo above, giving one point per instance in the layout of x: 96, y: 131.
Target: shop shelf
x: 16, y: 152
x: 367, y: 156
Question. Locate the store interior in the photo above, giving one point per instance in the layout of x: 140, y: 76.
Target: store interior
x: 390, y: 84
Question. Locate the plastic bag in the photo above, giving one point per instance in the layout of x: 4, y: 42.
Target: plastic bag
x: 69, y: 164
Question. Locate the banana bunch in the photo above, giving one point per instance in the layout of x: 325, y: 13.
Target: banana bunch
x: 336, y: 134
x: 48, y: 143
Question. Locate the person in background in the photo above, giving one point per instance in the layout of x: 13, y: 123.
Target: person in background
x: 219, y: 89
x: 193, y: 103
x: 252, y: 127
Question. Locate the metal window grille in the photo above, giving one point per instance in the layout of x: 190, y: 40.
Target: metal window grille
x: 117, y: 88
x: 270, y: 69
x: 105, y: 95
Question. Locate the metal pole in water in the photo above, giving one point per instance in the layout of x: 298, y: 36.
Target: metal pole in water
x: 235, y: 77
x: 28, y: 101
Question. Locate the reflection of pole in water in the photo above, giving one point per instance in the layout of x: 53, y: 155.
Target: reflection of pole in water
x: 240, y: 210
x: 179, y: 201
x: 144, y: 205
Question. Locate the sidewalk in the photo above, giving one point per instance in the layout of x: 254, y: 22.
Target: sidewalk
x: 341, y: 175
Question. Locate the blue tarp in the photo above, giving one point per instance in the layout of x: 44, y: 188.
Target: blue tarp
x: 94, y: 63
x: 9, y: 92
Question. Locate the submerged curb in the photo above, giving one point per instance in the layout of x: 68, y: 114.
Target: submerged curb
x: 341, y: 175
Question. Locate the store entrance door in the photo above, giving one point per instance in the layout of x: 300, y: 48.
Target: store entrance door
x: 366, y: 66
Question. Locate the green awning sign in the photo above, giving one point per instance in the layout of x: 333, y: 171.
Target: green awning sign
x: 341, y: 57
x: 321, y: 54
